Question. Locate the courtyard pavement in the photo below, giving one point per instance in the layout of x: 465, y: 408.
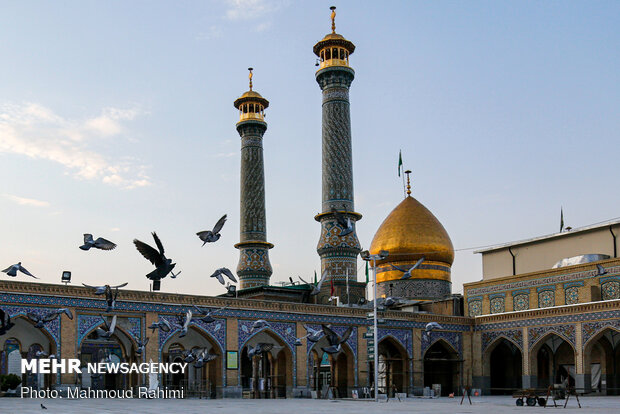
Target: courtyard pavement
x: 494, y: 405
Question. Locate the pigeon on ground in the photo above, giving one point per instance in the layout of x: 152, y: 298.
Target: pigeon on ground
x: 142, y: 346
x: 162, y: 325
x: 407, y: 271
x: 211, y: 236
x: 316, y: 289
x: 109, y: 329
x: 313, y: 334
x: 226, y: 272
x: 100, y: 290
x: 174, y: 276
x: 110, y: 298
x: 100, y: 243
x: 43, y: 407
x: 5, y: 322
x: 259, y: 349
x: 163, y: 266
x: 600, y: 270
x: 335, y: 340
x: 208, y: 313
x: 13, y: 269
x: 183, y: 321
x: 40, y: 321
x: 258, y: 325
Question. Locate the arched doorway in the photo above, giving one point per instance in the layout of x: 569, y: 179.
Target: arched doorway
x: 333, y: 373
x: 552, y: 361
x: 503, y: 363
x: 267, y: 374
x: 602, y: 362
x: 393, y: 367
x: 205, y: 381
x: 23, y: 341
x: 441, y: 366
x: 118, y: 348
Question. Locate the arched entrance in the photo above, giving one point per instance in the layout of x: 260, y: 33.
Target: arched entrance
x: 332, y: 372
x: 393, y: 367
x: 503, y: 364
x: 601, y: 362
x: 552, y: 361
x: 23, y: 341
x: 441, y: 366
x: 205, y: 381
x: 118, y: 348
x: 267, y: 374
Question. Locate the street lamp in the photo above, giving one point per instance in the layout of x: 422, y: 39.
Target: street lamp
x: 365, y: 255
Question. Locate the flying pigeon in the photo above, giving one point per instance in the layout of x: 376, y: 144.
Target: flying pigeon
x: 210, y: 236
x: 40, y: 354
x: 109, y: 329
x: 335, y: 340
x: 390, y: 301
x: 110, y: 298
x: 163, y: 266
x: 142, y: 346
x: 100, y: 290
x: 313, y: 334
x: 298, y: 340
x: 162, y: 325
x: 407, y: 272
x: 432, y: 326
x: 258, y: 325
x: 13, y: 269
x: 183, y: 321
x: 40, y: 321
x: 208, y: 313
x: 188, y: 356
x: 174, y: 276
x: 259, y: 349
x: 100, y: 243
x: 600, y: 270
x: 316, y: 289
x: 226, y: 272
x: 203, y: 357
x: 5, y: 322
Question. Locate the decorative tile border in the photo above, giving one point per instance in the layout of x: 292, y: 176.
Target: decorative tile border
x: 402, y: 336
x: 534, y: 321
x: 515, y: 336
x: 591, y: 329
x: 52, y: 327
x: 455, y: 339
x: 566, y: 332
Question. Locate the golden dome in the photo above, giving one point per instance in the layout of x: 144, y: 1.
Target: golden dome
x: 251, y: 96
x: 409, y: 232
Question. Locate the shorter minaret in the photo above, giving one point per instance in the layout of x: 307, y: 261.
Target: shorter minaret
x: 254, y: 268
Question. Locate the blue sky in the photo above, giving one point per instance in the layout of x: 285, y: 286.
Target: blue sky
x: 116, y: 118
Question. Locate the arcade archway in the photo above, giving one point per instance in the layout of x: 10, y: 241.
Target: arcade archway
x: 441, y: 366
x: 332, y: 374
x: 393, y: 367
x: 503, y: 364
x: 552, y: 361
x: 601, y: 362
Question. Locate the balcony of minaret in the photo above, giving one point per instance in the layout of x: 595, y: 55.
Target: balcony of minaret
x: 333, y: 56
x: 251, y: 111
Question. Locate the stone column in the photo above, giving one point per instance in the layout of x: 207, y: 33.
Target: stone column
x: 583, y: 379
x: 68, y: 346
x: 527, y: 379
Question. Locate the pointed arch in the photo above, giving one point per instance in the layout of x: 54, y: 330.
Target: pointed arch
x: 444, y: 343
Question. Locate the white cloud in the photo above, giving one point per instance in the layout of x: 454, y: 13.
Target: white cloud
x: 23, y: 201
x: 36, y: 132
x: 247, y: 10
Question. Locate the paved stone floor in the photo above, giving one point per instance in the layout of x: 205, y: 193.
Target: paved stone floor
x: 494, y: 405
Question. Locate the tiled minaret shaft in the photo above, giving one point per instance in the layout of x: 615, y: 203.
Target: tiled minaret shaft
x: 254, y: 268
x: 338, y: 253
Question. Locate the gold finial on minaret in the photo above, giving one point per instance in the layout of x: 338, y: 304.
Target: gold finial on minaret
x: 250, y: 76
x: 333, y: 9
x: 408, y: 182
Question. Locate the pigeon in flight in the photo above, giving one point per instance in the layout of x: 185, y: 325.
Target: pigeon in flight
x: 226, y: 272
x: 5, y: 322
x: 343, y: 222
x: 40, y: 354
x: 183, y: 321
x: 432, y: 326
x: 109, y: 329
x: 208, y: 313
x: 203, y: 357
x: 258, y: 325
x: 13, y: 269
x: 142, y: 346
x: 600, y: 270
x: 110, y: 298
x: 188, y: 356
x: 211, y: 236
x: 335, y: 340
x: 163, y: 266
x: 100, y: 290
x: 298, y: 340
x: 313, y: 334
x: 390, y: 301
x: 260, y: 348
x: 174, y: 276
x: 407, y: 272
x: 162, y: 325
x: 100, y: 243
x: 316, y: 289
x: 40, y: 321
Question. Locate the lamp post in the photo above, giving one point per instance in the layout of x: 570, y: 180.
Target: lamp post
x: 374, y: 257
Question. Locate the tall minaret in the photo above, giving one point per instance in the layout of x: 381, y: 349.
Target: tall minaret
x: 254, y: 268
x: 338, y: 253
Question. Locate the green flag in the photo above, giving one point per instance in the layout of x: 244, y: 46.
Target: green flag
x: 366, y: 272
x: 561, y: 219
x: 400, y: 162
x: 315, y: 277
